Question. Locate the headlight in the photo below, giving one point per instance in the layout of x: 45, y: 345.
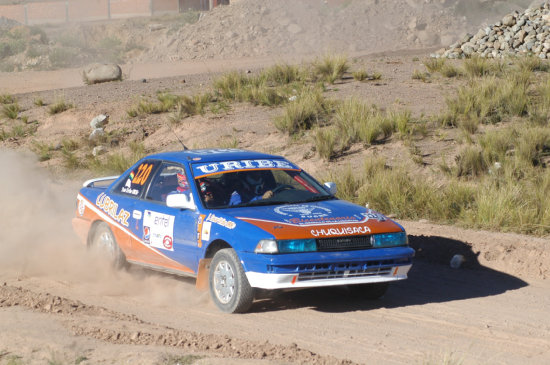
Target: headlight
x: 266, y: 246
x: 286, y: 246
x: 290, y: 246
x: 389, y: 240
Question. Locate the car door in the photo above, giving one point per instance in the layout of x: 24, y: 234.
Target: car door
x: 126, y: 194
x: 167, y: 237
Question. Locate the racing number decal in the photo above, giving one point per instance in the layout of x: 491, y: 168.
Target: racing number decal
x: 143, y: 172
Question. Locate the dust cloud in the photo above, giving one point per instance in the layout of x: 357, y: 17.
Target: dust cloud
x: 37, y: 240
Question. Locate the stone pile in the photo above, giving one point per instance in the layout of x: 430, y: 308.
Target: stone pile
x: 526, y: 33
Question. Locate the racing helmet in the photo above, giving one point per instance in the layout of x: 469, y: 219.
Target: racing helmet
x: 255, y: 181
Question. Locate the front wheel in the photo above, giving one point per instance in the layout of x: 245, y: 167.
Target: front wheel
x: 229, y: 287
x: 368, y: 291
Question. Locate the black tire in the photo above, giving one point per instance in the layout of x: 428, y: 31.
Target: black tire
x: 105, y: 244
x: 229, y: 287
x: 368, y: 291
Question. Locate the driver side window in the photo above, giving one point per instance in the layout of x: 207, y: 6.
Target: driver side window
x: 170, y: 179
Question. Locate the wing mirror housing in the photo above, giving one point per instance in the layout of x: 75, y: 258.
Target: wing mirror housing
x: 181, y: 201
x: 331, y: 187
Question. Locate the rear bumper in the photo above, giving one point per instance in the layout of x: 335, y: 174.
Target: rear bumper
x: 282, y: 281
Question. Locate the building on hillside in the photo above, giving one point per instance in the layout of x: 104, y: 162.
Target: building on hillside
x: 32, y: 12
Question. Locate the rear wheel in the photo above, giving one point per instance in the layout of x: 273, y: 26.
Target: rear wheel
x: 229, y: 287
x: 368, y: 291
x: 105, y: 244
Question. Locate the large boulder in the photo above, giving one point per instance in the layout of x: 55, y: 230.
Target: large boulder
x: 101, y: 72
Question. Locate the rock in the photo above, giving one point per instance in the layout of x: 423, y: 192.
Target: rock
x: 97, y: 134
x: 508, y: 20
x: 100, y: 121
x: 102, y: 72
x: 98, y: 150
x: 467, y: 48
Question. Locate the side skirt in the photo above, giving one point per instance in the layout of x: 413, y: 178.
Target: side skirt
x: 162, y: 269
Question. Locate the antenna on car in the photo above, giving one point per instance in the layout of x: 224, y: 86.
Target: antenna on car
x: 178, y: 138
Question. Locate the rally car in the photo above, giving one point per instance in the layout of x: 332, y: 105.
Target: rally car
x: 238, y: 221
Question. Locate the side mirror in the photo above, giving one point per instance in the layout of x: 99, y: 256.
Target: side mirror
x: 331, y: 187
x: 181, y: 201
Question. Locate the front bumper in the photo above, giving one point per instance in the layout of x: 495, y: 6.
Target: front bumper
x: 305, y: 270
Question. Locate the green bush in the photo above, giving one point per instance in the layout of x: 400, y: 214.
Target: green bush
x: 330, y: 68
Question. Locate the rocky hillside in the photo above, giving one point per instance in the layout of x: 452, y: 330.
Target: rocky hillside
x: 252, y: 28
x: 527, y: 32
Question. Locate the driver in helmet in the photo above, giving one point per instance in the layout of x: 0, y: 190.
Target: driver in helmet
x: 252, y: 188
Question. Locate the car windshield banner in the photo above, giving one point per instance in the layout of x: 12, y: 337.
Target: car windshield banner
x: 211, y: 168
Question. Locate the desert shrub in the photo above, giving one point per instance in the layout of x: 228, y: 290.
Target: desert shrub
x: 118, y: 162
x: 422, y: 76
x: 237, y: 86
x: 42, y: 150
x: 478, y: 66
x: 533, y: 144
x: 497, y: 143
x: 10, y: 47
x: 532, y: 63
x: 309, y: 109
x: 330, y: 68
x: 111, y: 49
x: 448, y: 70
x: 470, y: 162
x: 59, y: 106
x: 360, y: 122
x: 282, y: 74
x: 360, y: 75
x: 11, y: 111
x: 7, y: 99
x: 190, y: 105
x: 434, y: 64
x: 491, y: 99
x: 325, y: 142
x: 401, y: 121
x: 61, y: 57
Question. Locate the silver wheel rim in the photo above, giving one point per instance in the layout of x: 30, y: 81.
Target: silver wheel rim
x: 106, y: 244
x: 224, y: 282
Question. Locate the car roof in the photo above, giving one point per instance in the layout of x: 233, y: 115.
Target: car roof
x: 211, y: 155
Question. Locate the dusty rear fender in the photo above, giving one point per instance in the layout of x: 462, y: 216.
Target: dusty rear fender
x: 82, y: 229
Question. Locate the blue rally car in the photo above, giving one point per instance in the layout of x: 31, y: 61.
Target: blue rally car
x: 238, y: 221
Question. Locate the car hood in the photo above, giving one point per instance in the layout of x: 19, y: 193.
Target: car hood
x: 331, y: 218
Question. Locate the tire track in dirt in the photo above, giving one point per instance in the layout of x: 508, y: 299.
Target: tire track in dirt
x: 94, y: 321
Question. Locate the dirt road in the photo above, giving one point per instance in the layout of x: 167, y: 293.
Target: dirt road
x: 469, y: 316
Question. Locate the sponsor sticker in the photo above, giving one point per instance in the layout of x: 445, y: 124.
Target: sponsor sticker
x: 146, y: 234
x: 199, y: 229
x: 340, y: 231
x: 224, y: 166
x: 221, y: 221
x: 167, y: 242
x: 81, y: 207
x: 136, y: 214
x: 205, y: 232
x: 160, y: 227
x: 303, y: 211
x: 371, y: 214
x: 110, y: 207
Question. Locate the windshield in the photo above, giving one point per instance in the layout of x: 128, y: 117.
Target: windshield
x: 257, y: 186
